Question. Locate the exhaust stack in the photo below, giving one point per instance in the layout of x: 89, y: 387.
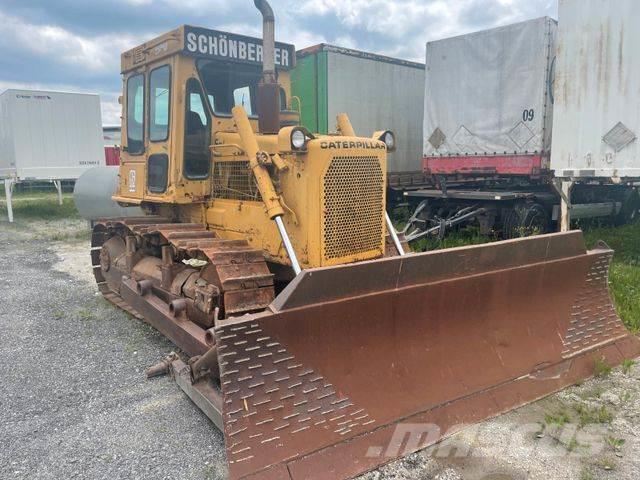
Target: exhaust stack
x: 269, y: 90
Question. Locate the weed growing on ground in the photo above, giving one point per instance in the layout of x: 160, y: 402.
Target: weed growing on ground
x: 573, y: 445
x: 586, y: 475
x: 601, y: 368
x: 86, y: 315
x: 560, y: 418
x: 590, y: 416
x: 627, y: 365
x: 70, y: 235
x: 615, y: 443
x: 591, y: 393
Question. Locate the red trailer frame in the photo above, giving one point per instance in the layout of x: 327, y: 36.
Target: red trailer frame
x: 511, y: 165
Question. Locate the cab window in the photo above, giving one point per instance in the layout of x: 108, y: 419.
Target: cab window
x: 229, y: 85
x: 135, y: 114
x: 242, y: 97
x: 159, y: 98
x: 197, y: 133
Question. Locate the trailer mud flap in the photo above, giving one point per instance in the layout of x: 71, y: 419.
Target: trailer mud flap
x: 354, y: 366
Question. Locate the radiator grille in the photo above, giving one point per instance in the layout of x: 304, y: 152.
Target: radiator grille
x: 234, y: 181
x: 353, y: 206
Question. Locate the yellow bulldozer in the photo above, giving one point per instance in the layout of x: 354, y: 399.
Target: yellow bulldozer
x: 309, y: 334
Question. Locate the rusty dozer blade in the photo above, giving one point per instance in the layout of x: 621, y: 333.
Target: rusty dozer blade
x: 317, y: 387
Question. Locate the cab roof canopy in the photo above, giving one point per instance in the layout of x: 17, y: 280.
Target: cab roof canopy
x: 205, y: 43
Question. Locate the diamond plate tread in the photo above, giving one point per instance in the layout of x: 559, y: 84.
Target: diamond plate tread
x: 271, y: 398
x: 594, y: 320
x: 379, y: 351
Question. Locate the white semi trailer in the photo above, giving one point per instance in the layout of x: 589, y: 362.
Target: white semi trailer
x: 597, y: 99
x: 48, y: 136
x: 529, y: 125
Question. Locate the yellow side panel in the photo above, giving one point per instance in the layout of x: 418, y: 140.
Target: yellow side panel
x: 233, y: 220
x: 132, y: 182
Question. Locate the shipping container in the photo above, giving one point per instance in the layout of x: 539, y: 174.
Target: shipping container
x: 597, y: 101
x: 488, y: 94
x: 377, y: 92
x: 49, y: 135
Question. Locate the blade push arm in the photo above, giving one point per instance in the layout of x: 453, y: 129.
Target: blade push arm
x: 257, y: 160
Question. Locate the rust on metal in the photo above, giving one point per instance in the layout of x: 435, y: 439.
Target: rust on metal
x: 314, y: 383
x: 315, y: 387
x: 161, y: 368
x: 238, y: 272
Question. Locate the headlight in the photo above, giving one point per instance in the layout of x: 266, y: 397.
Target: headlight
x: 298, y: 139
x: 389, y: 140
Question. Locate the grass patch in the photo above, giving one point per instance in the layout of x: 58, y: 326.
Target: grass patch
x: 586, y: 475
x: 560, y: 418
x: 615, y: 443
x: 86, y: 315
x: 601, y: 368
x: 627, y: 365
x: 69, y: 235
x: 625, y: 271
x: 589, y: 416
x: 574, y: 445
x: 456, y: 238
x: 40, y: 207
x: 592, y: 393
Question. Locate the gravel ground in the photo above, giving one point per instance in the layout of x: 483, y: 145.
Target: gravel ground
x: 75, y: 403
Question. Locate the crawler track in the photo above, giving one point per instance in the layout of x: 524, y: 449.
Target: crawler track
x: 244, y: 279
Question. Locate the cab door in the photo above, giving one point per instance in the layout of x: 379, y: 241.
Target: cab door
x: 159, y: 132
x: 147, y: 138
x: 133, y: 156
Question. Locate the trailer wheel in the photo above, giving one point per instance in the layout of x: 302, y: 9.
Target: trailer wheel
x: 630, y: 208
x: 525, y: 220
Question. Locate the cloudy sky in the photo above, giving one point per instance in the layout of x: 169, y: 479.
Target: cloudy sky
x: 75, y: 45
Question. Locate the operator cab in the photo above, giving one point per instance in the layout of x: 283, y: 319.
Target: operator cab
x: 179, y: 90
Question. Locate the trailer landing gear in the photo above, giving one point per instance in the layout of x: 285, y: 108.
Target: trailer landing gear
x: 8, y: 192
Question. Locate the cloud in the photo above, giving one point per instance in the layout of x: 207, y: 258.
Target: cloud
x: 76, y: 44
x: 111, y: 110
x: 50, y: 41
x: 402, y: 27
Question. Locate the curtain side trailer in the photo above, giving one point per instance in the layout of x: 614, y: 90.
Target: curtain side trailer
x: 494, y: 103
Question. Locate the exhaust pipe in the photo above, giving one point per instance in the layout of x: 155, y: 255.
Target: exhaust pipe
x: 268, y: 90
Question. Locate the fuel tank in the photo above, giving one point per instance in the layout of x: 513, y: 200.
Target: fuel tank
x: 92, y: 195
